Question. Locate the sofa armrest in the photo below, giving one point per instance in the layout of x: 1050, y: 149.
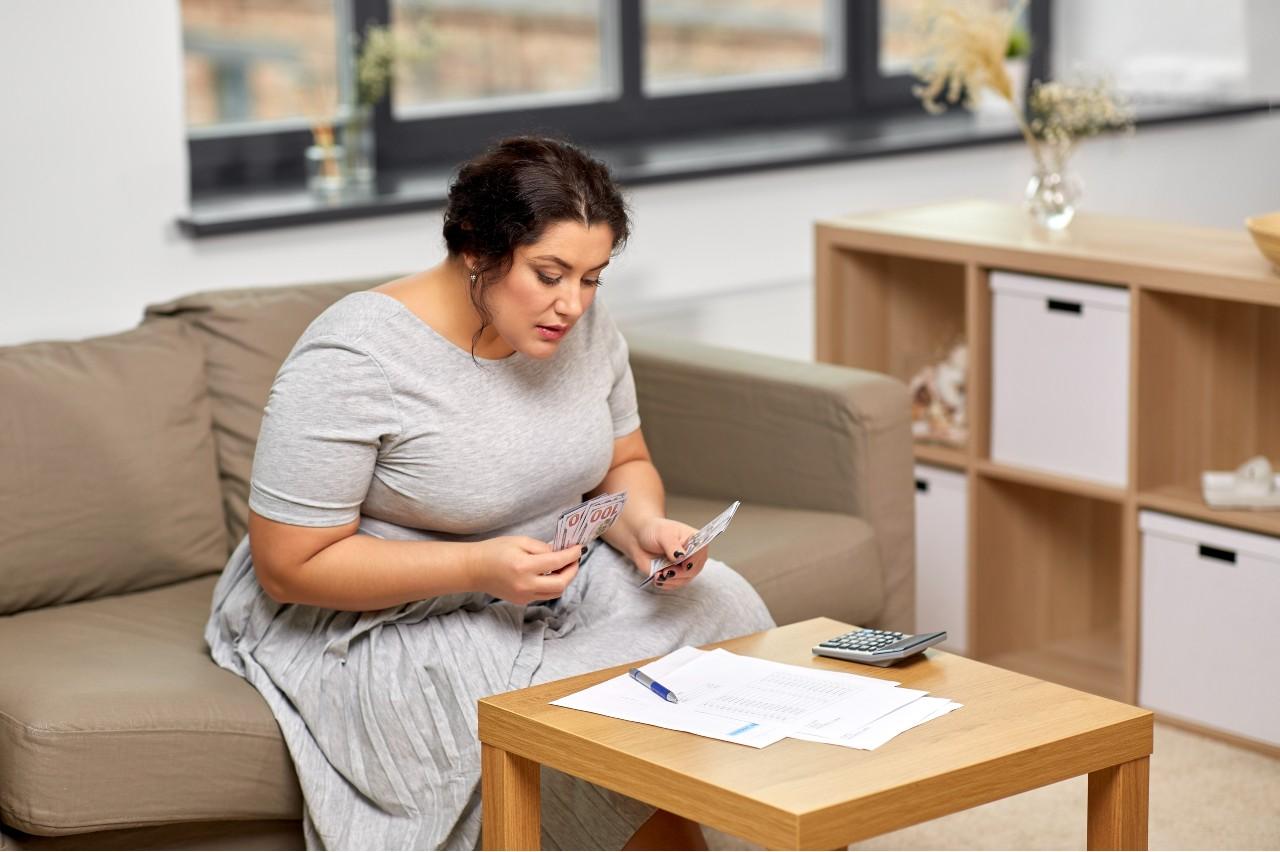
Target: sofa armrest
x: 737, y: 425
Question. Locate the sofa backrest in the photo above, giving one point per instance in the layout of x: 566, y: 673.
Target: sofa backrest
x: 247, y: 333
x: 108, y: 473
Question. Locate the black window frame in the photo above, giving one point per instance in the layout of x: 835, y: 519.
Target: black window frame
x: 223, y: 162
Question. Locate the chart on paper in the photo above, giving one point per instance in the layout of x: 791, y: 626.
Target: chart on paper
x: 776, y: 697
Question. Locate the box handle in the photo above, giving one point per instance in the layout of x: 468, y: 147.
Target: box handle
x: 922, y: 486
x: 1207, y: 552
x: 1065, y: 307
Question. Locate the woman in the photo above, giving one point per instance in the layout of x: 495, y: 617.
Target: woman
x: 417, y: 447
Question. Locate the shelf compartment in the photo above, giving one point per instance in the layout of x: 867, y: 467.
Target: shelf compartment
x: 940, y: 454
x: 1088, y: 663
x: 1051, y: 481
x: 892, y: 315
x: 1187, y: 501
x: 889, y: 314
x: 1048, y: 583
x: 1208, y: 389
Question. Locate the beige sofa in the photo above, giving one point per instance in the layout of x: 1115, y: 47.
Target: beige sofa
x: 125, y: 462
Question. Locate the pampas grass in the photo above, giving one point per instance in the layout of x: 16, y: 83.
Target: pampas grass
x: 963, y: 48
x: 963, y: 51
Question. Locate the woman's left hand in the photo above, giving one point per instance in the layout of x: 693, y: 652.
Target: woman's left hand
x: 663, y: 537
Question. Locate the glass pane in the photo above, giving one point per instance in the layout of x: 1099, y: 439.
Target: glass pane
x: 898, y: 47
x: 687, y: 42
x: 259, y: 60
x: 481, y: 50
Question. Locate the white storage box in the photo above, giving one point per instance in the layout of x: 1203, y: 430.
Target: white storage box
x: 1210, y: 618
x: 1060, y: 376
x: 942, y: 535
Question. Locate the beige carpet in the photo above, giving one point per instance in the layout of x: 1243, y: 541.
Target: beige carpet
x: 1205, y: 794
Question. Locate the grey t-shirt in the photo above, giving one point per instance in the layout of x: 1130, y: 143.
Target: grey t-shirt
x: 374, y: 413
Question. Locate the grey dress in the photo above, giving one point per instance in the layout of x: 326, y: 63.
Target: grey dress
x: 376, y: 416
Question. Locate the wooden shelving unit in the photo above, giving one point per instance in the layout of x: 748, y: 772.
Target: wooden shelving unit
x: 1054, y: 561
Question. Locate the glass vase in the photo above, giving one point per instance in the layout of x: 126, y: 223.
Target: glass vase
x: 325, y: 176
x: 360, y: 163
x: 1052, y: 193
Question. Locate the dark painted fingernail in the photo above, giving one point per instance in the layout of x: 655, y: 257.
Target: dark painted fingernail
x: 668, y: 575
x: 679, y: 554
x: 688, y: 565
x: 584, y: 550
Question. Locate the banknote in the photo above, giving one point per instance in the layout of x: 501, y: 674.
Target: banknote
x: 588, y: 521
x: 697, y: 541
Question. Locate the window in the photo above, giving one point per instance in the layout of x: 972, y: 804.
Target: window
x: 258, y: 62
x: 487, y: 55
x: 701, y: 44
x: 260, y: 73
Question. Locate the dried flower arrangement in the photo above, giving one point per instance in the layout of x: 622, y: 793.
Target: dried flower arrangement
x: 1061, y: 114
x: 963, y: 45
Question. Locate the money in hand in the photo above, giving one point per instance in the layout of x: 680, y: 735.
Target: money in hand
x: 697, y: 541
x: 588, y: 521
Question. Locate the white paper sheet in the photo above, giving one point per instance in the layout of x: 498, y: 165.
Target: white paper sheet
x: 885, y: 728
x: 747, y: 700
x: 721, y: 683
x: 623, y: 698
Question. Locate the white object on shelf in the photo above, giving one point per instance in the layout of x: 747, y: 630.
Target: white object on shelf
x: 1209, y: 646
x: 1060, y: 376
x: 1251, y: 486
x: 942, y: 548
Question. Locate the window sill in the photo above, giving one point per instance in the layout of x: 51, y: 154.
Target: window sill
x: 726, y: 153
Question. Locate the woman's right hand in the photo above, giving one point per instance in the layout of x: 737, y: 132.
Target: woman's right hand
x: 521, y: 570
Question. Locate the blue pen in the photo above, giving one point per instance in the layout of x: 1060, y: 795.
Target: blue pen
x: 655, y: 687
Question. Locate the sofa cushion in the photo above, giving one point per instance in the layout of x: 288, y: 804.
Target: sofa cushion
x: 222, y: 835
x: 113, y: 715
x: 247, y: 334
x: 802, y: 562
x: 110, y: 480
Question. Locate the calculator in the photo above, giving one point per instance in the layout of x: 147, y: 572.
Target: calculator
x: 877, y: 647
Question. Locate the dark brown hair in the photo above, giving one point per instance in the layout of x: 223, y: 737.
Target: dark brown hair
x: 508, y: 197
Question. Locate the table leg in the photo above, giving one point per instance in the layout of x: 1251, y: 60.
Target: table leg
x: 511, y: 800
x: 1118, y: 798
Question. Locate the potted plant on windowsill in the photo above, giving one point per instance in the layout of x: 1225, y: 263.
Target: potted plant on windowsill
x: 382, y: 52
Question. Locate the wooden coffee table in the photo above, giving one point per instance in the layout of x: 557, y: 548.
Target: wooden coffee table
x: 1015, y: 733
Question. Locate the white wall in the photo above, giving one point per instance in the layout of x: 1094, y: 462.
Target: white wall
x: 93, y: 172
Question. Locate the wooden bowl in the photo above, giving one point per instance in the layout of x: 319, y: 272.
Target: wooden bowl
x: 1266, y: 233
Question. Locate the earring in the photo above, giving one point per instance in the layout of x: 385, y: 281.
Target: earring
x: 474, y: 276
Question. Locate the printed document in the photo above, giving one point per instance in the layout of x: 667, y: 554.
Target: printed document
x: 757, y: 702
